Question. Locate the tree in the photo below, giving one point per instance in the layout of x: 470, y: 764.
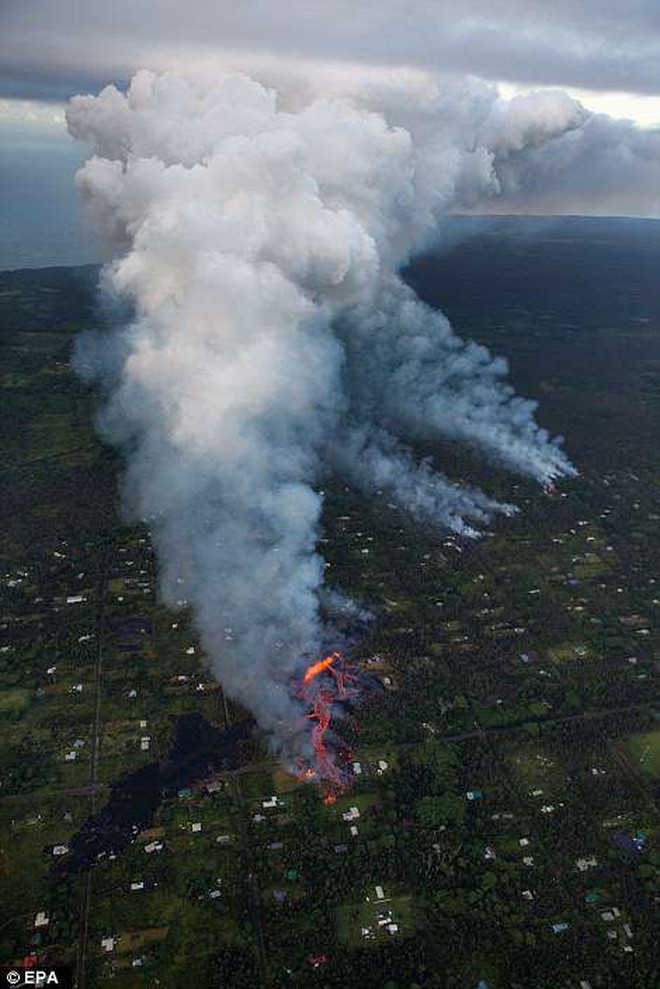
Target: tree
x: 433, y: 812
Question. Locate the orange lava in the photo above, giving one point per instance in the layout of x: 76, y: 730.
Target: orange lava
x: 322, y: 664
x: 325, y: 685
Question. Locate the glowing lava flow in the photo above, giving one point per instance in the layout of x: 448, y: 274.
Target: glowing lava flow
x: 323, y: 664
x: 324, y: 685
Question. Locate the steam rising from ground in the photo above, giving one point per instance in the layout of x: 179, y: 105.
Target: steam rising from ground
x: 273, y: 338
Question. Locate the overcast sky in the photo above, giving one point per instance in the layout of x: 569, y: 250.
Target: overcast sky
x: 608, y: 55
x: 53, y: 48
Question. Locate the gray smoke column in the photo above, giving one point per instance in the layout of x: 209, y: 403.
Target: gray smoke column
x: 273, y: 339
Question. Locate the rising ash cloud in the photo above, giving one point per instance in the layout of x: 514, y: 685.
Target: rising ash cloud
x: 273, y: 339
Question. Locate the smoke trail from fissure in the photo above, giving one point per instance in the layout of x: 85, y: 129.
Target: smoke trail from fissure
x: 273, y: 339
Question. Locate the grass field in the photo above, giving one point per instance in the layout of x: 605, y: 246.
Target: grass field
x: 538, y: 769
x: 567, y: 651
x: 644, y: 749
x: 13, y: 702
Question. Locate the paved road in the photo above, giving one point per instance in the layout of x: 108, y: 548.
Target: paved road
x: 92, y: 789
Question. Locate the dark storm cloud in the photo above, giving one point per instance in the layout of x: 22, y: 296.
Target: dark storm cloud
x: 51, y: 47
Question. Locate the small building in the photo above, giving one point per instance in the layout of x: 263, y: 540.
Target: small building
x: 586, y: 863
x: 41, y: 920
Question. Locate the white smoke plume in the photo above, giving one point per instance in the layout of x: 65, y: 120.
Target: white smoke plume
x: 273, y: 339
